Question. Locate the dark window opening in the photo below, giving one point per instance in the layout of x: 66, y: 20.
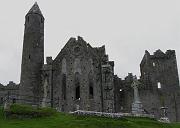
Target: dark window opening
x: 41, y: 20
x: 29, y: 57
x: 14, y: 101
x: 78, y: 92
x: 91, y: 92
x: 64, y: 86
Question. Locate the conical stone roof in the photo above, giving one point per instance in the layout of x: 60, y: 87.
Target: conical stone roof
x: 35, y: 9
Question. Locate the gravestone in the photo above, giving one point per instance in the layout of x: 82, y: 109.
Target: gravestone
x: 164, y: 117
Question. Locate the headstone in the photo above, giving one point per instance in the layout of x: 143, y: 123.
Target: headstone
x: 164, y: 118
x: 137, y: 107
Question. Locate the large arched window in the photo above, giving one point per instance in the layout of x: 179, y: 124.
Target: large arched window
x: 64, y: 86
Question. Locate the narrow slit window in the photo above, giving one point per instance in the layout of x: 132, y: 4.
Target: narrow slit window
x: 64, y: 86
x: 91, y: 92
x: 41, y: 20
x: 29, y: 57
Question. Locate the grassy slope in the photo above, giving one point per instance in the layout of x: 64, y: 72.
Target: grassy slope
x: 68, y: 121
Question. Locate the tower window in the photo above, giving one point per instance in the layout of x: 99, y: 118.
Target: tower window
x: 159, y: 85
x: 41, y: 20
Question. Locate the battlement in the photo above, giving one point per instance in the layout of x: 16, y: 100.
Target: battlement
x: 158, y: 55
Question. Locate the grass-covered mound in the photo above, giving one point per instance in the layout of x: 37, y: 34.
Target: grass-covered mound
x: 26, y: 111
x: 62, y: 120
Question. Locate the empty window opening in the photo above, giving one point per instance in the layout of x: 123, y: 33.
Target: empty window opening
x: 91, y: 92
x: 64, y: 86
x: 78, y: 92
x: 154, y: 64
x: 159, y: 84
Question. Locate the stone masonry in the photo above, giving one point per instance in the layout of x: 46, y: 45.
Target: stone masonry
x: 81, y: 77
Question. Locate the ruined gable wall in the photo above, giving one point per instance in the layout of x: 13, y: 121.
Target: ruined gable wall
x: 77, y: 58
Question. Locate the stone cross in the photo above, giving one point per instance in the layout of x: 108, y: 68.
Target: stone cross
x: 137, y: 107
x: 135, y: 86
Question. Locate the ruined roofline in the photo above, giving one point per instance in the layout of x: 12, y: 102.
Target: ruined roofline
x: 10, y: 85
x: 158, y: 54
x: 80, y: 39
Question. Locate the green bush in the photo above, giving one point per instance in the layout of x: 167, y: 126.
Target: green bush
x: 28, y: 111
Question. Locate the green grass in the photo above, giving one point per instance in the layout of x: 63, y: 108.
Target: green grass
x: 62, y: 120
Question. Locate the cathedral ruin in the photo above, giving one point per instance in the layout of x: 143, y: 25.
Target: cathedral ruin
x: 82, y: 77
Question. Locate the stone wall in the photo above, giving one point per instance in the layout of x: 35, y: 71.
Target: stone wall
x: 11, y: 90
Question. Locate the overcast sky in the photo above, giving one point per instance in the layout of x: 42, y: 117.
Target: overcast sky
x: 126, y: 27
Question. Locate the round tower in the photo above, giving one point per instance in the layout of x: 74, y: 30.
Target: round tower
x: 32, y: 57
